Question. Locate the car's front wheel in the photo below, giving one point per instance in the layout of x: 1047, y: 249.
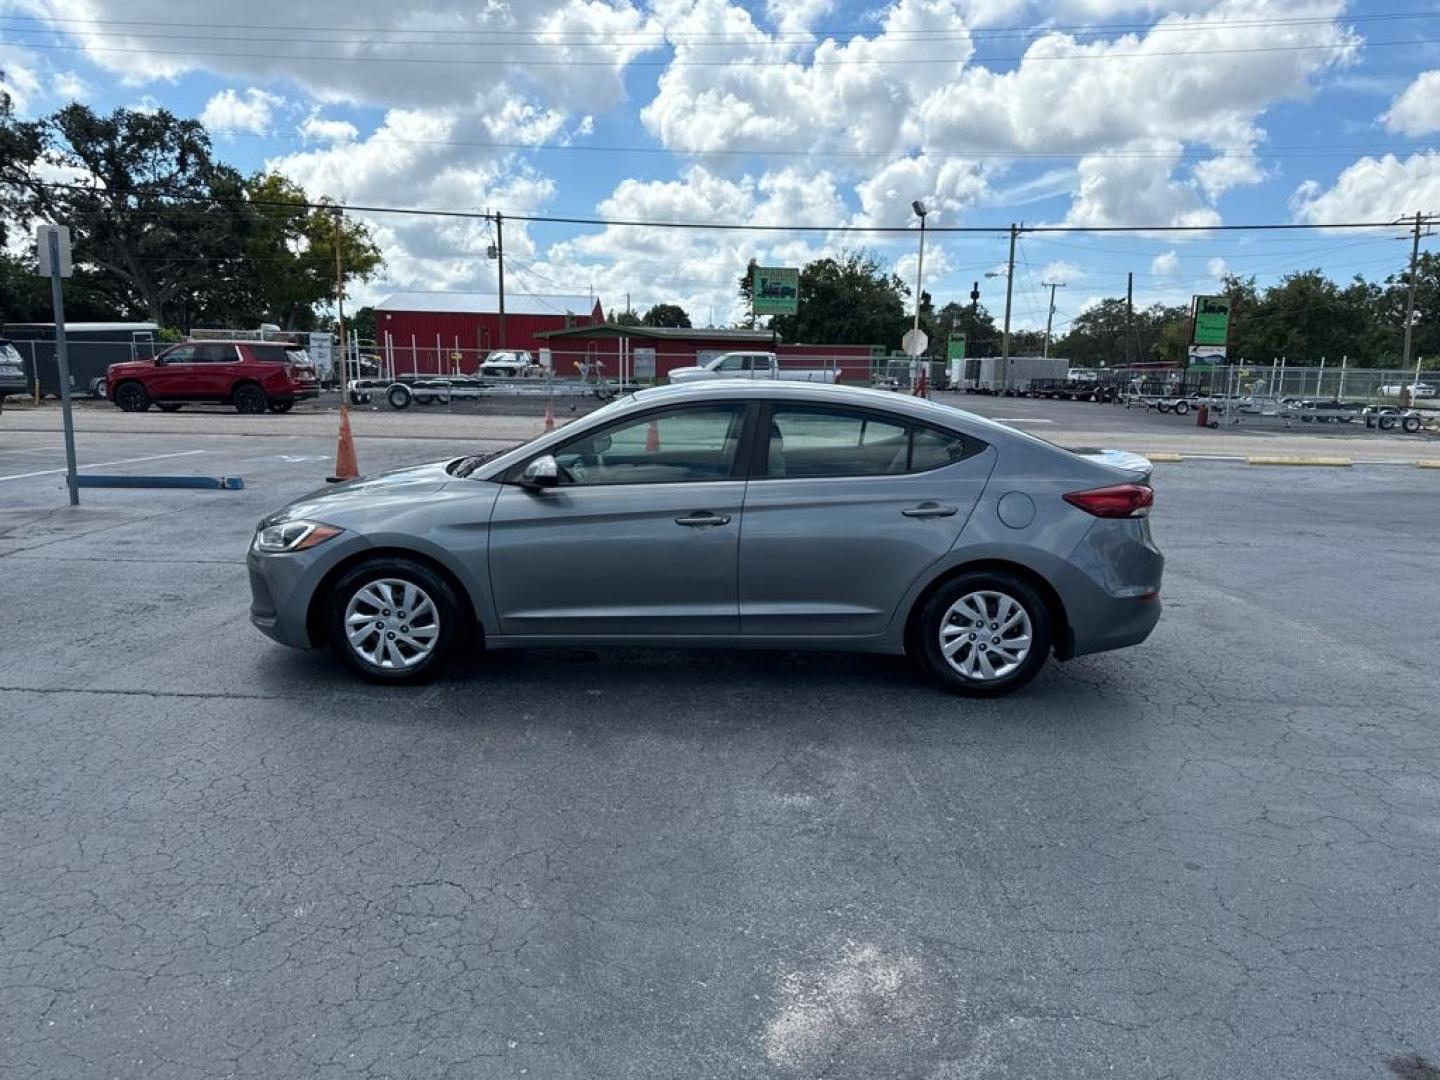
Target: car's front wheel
x: 393, y: 620
x: 984, y: 634
x: 132, y: 397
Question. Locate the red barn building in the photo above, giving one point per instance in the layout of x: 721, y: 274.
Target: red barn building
x: 435, y: 332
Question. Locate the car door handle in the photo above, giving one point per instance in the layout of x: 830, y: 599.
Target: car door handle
x: 930, y: 509
x: 702, y: 517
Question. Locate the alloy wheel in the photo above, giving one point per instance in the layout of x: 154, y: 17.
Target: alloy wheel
x: 392, y: 623
x: 985, y: 635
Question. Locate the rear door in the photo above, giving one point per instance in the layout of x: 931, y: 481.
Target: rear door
x: 640, y: 537
x: 845, y: 509
x: 216, y: 369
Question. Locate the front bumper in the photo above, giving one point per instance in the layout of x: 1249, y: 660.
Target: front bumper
x: 282, y: 587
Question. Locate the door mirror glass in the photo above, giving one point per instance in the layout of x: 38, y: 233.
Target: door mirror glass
x: 543, y: 472
x: 601, y: 443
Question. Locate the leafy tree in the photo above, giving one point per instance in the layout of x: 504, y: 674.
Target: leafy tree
x: 982, y: 337
x: 20, y: 146
x: 747, y: 292
x: 851, y: 299
x: 627, y: 318
x: 666, y: 315
x: 363, y: 323
x: 290, y: 249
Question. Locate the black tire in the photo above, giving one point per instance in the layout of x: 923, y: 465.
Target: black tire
x: 169, y: 406
x: 132, y: 397
x: 1387, y: 422
x: 1214, y: 424
x: 281, y: 406
x: 925, y: 641
x: 450, y: 618
x: 1182, y: 408
x: 422, y: 397
x: 1161, y: 406
x: 399, y: 396
x: 97, y: 388
x: 1410, y: 425
x: 249, y: 398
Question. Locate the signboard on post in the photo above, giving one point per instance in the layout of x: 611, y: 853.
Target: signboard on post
x: 321, y: 355
x: 1206, y: 354
x: 775, y: 290
x: 49, y: 267
x: 1210, y: 321
x: 914, y: 342
x: 955, y: 347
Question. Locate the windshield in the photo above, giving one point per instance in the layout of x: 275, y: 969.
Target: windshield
x: 298, y: 356
x: 466, y: 465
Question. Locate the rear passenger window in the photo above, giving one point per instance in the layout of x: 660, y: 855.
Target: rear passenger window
x: 269, y: 354
x: 816, y: 443
x: 930, y: 449
x: 215, y: 354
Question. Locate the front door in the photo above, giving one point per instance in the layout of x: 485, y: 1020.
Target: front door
x: 174, y: 376
x: 640, y: 537
x: 849, y: 509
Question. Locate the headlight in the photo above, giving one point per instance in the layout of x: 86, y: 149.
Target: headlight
x: 293, y: 536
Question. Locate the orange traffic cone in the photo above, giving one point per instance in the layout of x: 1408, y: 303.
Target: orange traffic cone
x: 550, y: 415
x: 345, y: 466
x: 652, y: 438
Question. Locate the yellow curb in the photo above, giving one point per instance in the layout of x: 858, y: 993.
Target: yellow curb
x: 1427, y: 463
x: 1326, y: 462
x: 1164, y: 458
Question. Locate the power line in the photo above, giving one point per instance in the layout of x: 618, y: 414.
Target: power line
x: 662, y: 36
x: 746, y: 61
x: 1206, y: 153
x: 545, y: 219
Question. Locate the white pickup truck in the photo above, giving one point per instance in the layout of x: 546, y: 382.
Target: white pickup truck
x: 751, y: 365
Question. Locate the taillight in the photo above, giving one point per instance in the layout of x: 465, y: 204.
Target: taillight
x: 1118, y: 501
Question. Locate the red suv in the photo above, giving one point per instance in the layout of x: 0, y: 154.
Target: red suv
x: 251, y: 375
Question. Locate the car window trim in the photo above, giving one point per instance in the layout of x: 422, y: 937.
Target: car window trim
x: 760, y: 452
x: 749, y: 413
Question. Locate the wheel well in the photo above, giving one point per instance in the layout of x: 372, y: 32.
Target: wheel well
x: 315, y: 614
x: 1064, y: 644
x: 244, y: 383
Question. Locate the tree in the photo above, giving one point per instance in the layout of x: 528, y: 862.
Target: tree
x: 20, y: 146
x: 982, y: 338
x: 666, y: 315
x: 851, y: 299
x: 290, y: 248
x: 747, y: 292
x: 156, y: 223
x: 363, y: 322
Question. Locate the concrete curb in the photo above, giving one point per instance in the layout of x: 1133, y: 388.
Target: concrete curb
x: 1428, y: 463
x: 1303, y: 462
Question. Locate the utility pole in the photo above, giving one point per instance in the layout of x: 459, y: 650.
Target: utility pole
x: 1009, y: 293
x: 1129, y: 317
x: 336, y: 217
x: 500, y: 264
x: 1050, y: 316
x: 1410, y: 297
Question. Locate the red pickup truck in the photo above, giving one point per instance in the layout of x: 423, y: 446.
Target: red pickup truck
x: 253, y: 376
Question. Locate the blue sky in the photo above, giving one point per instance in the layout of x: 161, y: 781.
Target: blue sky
x: 811, y: 112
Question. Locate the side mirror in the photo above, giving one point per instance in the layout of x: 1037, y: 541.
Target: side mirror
x: 601, y: 444
x: 543, y: 472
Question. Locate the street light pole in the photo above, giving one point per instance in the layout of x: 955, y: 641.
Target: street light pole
x: 1050, y: 316
x: 920, y: 211
x: 1009, y: 294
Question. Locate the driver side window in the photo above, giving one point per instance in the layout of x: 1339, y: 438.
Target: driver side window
x: 679, y: 446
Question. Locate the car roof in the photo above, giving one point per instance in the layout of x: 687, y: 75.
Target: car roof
x: 821, y: 394
x: 236, y: 341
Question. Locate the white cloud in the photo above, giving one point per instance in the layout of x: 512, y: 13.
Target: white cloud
x: 320, y: 129
x: 22, y: 77
x: 1416, y: 111
x: 1217, y: 267
x: 69, y: 86
x: 229, y: 112
x: 1166, y: 264
x: 1372, y: 189
x: 1218, y: 175
x: 1061, y: 271
x: 1137, y: 190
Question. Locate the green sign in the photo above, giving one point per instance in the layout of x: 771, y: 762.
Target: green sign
x: 775, y: 290
x: 1212, y: 321
x: 955, y: 347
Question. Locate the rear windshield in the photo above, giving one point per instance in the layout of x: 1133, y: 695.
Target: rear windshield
x: 8, y: 353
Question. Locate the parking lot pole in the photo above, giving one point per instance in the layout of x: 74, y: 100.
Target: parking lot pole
x: 62, y: 359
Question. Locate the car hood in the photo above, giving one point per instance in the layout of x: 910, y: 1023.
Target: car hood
x: 339, y: 502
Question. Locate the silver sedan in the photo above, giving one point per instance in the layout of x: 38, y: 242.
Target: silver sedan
x: 729, y: 514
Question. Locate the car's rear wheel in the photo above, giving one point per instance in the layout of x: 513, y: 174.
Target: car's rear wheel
x: 132, y: 397
x: 393, y: 620
x: 169, y: 406
x: 249, y: 398
x: 1410, y: 425
x: 398, y: 396
x: 984, y: 634
x: 281, y: 406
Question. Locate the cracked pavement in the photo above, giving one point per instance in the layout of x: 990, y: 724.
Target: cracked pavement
x: 1211, y: 856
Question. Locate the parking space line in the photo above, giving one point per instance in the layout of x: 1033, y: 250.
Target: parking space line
x: 104, y: 464
x: 37, y: 450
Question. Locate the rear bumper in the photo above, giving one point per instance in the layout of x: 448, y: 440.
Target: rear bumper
x: 1110, y: 586
x: 300, y: 393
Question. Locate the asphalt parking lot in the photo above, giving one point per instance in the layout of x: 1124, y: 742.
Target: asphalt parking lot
x: 1211, y: 856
